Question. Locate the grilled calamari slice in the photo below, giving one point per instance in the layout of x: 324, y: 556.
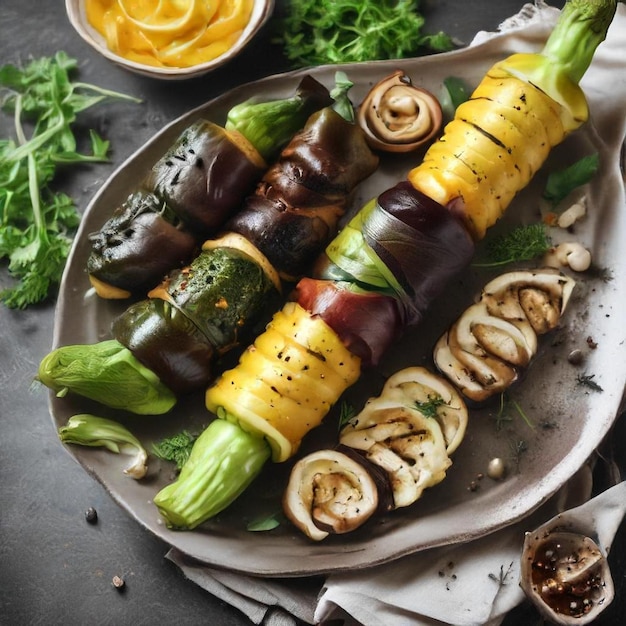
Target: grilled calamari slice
x: 484, y: 351
x: 329, y: 492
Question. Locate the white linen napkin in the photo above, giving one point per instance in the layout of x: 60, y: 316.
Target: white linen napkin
x: 475, y: 583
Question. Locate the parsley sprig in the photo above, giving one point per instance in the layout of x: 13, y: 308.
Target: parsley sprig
x: 37, y: 223
x: 317, y: 32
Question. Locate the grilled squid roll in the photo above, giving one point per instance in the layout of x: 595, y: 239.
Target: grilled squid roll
x: 330, y: 492
x: 139, y: 244
x: 410, y: 430
x: 296, y: 208
x: 493, y: 340
x: 403, y: 243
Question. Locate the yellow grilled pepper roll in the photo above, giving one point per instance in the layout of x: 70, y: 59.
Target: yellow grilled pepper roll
x: 499, y: 138
x: 286, y: 381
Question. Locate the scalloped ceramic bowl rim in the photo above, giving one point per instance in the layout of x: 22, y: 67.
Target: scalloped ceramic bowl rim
x: 261, y: 12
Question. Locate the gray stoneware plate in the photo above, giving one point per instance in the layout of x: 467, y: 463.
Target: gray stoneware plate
x: 569, y: 420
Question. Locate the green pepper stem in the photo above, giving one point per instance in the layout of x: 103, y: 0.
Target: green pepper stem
x: 269, y: 125
x: 223, y: 462
x: 581, y: 28
x: 108, y: 373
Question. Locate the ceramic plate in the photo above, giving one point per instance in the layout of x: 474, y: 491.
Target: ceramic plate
x: 568, y: 419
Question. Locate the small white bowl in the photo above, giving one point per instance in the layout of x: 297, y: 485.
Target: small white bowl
x: 261, y: 12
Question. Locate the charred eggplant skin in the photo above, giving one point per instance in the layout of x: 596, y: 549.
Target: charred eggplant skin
x: 139, y: 244
x: 427, y: 247
x: 204, y: 175
x: 295, y: 209
x: 168, y: 343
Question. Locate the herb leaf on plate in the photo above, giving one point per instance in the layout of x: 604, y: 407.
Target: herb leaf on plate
x: 37, y: 222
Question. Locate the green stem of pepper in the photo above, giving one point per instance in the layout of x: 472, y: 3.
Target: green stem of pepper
x: 223, y: 462
x: 108, y: 373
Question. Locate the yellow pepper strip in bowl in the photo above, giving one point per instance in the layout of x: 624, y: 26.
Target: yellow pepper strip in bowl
x: 174, y: 33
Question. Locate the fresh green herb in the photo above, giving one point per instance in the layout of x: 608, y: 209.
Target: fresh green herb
x: 339, y: 94
x: 507, y: 406
x: 317, y: 32
x: 586, y: 380
x: 429, y: 408
x: 346, y: 413
x: 561, y: 183
x: 502, y: 415
x: 523, y: 243
x: 518, y: 448
x: 456, y: 93
x: 176, y: 448
x: 36, y: 223
x: 263, y: 524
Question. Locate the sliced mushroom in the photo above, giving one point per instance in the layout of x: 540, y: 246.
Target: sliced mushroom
x: 397, y: 116
x: 398, y: 437
x: 484, y: 350
x: 539, y: 296
x: 422, y: 388
x: 566, y: 575
x: 329, y: 492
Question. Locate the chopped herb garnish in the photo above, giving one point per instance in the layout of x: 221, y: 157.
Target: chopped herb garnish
x: 457, y: 93
x: 429, y: 408
x: 586, y: 380
x: 176, y: 448
x: 504, y: 412
x: 346, y: 413
x: 561, y: 183
x: 263, y: 524
x: 523, y: 243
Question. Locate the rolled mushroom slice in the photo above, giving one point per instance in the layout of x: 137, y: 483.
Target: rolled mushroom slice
x: 538, y: 296
x: 434, y: 396
x: 483, y: 352
x: 397, y: 116
x: 409, y: 446
x: 329, y: 492
x: 481, y: 332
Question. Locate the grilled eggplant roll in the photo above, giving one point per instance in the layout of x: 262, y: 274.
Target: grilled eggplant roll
x: 203, y: 310
x: 296, y: 208
x: 192, y: 190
